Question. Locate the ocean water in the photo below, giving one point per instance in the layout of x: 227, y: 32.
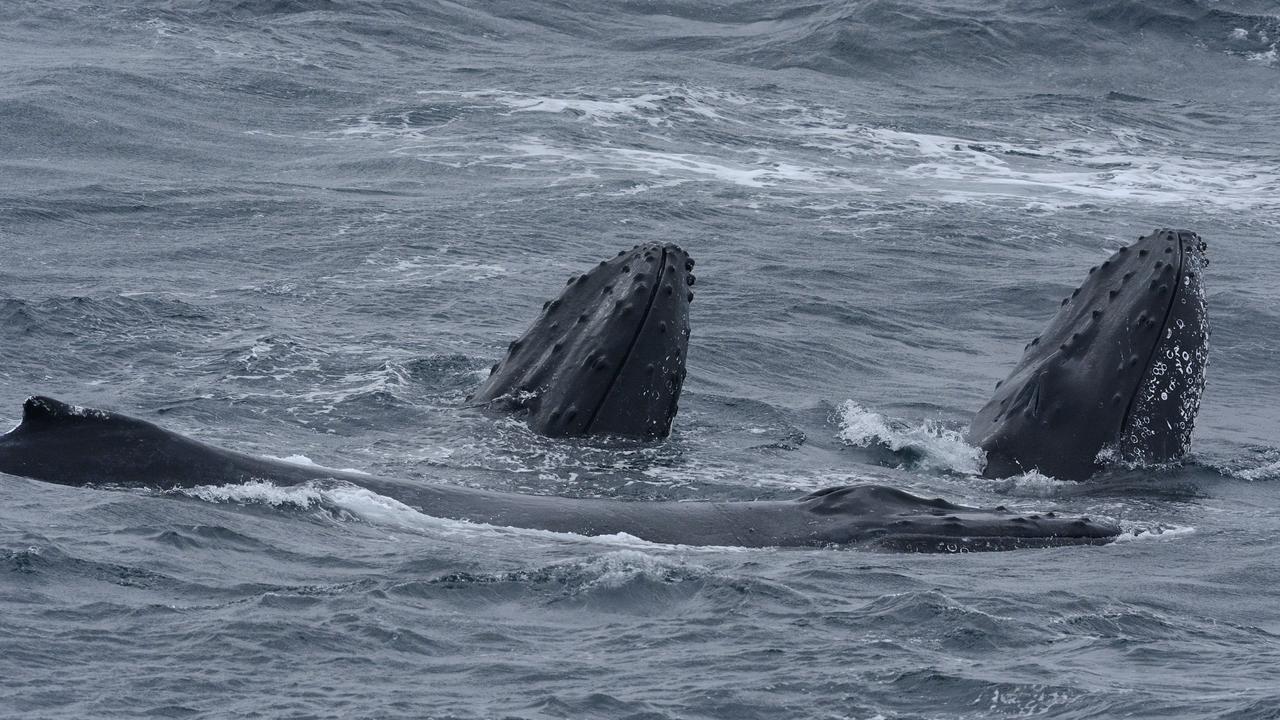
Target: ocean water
x: 306, y: 228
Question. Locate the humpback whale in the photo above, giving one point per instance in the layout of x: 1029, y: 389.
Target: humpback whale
x: 606, y: 357
x: 64, y: 444
x: 1116, y: 377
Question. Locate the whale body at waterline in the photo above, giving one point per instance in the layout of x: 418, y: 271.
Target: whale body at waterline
x: 68, y: 445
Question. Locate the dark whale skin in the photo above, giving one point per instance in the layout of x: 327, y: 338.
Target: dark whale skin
x: 606, y: 357
x: 68, y: 445
x: 1116, y: 378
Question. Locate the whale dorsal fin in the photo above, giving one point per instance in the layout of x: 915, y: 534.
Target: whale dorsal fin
x: 40, y: 411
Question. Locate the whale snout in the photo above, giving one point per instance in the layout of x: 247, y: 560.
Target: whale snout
x: 607, y: 356
x: 1116, y: 376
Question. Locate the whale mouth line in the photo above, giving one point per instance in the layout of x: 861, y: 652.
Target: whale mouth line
x: 635, y: 338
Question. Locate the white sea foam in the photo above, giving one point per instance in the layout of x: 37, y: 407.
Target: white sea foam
x: 759, y: 171
x: 1031, y: 484
x: 641, y: 187
x: 418, y: 268
x: 939, y: 447
x: 659, y: 106
x: 388, y: 378
x: 1266, y: 57
x: 304, y: 461
x: 274, y: 361
x: 617, y: 568
x: 346, y: 501
x: 1265, y: 471
x: 642, y: 129
x: 600, y: 112
x: 1157, y: 533
x: 259, y: 492
x: 276, y: 358
x: 1112, y: 166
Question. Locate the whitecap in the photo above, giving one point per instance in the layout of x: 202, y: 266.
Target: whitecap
x: 940, y: 448
x: 1032, y: 483
x: 345, y: 502
x: 1158, y: 533
x: 304, y: 461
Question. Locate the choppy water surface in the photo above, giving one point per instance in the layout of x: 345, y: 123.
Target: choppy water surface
x: 305, y: 229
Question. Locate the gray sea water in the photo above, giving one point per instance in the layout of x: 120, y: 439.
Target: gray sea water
x: 306, y: 228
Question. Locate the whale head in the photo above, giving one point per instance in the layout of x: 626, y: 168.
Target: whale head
x: 606, y: 357
x: 1117, y: 375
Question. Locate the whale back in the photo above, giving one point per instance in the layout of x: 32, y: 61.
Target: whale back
x: 70, y: 445
x: 65, y: 444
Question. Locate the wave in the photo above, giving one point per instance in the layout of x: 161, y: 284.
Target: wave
x: 344, y: 502
x: 925, y: 445
x: 894, y: 39
x: 671, y: 135
x: 121, y: 317
x: 1249, y: 463
x: 609, y: 571
x: 1132, y: 532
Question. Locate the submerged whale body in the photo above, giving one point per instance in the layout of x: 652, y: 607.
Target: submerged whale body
x: 607, y: 357
x: 1117, y: 375
x: 64, y: 444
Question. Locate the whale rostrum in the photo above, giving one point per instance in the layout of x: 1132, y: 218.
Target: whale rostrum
x: 1116, y: 377
x: 606, y: 357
